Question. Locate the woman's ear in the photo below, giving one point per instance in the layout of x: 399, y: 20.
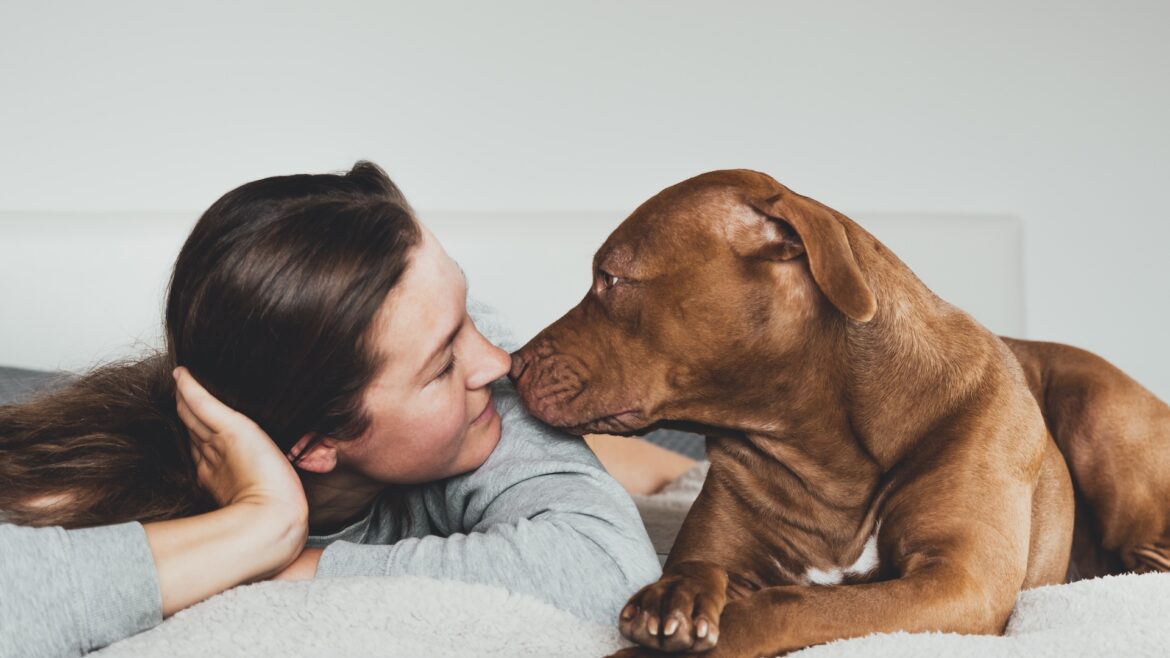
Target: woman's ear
x: 314, y: 454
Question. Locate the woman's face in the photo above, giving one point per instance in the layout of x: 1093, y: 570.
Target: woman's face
x: 431, y: 406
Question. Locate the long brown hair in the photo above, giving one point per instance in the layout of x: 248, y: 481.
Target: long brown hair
x: 270, y: 306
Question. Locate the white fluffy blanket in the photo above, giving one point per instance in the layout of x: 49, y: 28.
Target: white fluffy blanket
x: 420, y: 617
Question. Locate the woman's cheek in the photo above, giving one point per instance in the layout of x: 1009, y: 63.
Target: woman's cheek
x: 447, y: 419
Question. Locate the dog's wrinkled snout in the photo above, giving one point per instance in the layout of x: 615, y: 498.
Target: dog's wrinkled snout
x: 548, y: 382
x: 519, y: 365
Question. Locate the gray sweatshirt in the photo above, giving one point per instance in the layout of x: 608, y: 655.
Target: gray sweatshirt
x: 541, y: 516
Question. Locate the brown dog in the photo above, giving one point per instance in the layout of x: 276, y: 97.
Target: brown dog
x: 879, y: 461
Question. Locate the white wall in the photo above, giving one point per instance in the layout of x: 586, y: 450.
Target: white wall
x: 1051, y: 111
x: 100, y: 276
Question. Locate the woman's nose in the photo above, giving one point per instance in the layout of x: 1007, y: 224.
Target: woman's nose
x: 495, y: 364
x: 503, y: 362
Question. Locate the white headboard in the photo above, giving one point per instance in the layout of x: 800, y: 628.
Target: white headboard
x: 80, y: 288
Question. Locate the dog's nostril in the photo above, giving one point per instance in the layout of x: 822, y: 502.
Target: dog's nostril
x: 518, y: 366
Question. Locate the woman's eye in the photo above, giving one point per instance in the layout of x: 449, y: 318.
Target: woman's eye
x: 447, y: 368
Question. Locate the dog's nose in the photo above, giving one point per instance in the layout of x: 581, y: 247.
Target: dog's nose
x: 518, y: 366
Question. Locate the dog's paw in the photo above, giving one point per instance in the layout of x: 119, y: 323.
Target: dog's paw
x: 680, y: 612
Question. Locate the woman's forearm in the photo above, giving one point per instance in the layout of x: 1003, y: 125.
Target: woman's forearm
x: 641, y: 467
x: 200, y: 556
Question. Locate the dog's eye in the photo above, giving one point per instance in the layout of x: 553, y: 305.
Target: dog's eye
x: 609, y: 280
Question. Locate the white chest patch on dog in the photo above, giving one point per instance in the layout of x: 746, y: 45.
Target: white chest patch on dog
x: 866, y: 563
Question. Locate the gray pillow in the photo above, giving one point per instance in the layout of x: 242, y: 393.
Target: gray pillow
x: 17, y: 384
x: 684, y: 443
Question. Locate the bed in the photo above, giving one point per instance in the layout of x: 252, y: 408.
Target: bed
x: 419, y: 617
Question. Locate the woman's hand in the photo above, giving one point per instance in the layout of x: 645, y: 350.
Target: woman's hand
x: 243, y: 469
x: 263, y: 522
x: 237, y: 462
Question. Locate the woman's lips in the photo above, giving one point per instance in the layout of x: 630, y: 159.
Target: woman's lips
x: 487, y: 412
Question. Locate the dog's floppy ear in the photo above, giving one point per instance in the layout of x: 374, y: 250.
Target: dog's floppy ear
x: 830, y: 256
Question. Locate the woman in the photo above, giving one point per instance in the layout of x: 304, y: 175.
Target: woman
x: 319, y: 308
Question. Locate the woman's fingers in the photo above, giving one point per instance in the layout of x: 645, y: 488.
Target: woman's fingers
x: 187, y: 393
x: 235, y: 459
x: 196, y: 426
x: 204, y: 407
x: 202, y: 444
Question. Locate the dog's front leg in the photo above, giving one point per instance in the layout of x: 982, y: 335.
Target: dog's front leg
x: 955, y: 540
x: 682, y: 610
x: 958, y: 547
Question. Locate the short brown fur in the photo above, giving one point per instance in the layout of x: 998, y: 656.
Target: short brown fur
x: 844, y: 400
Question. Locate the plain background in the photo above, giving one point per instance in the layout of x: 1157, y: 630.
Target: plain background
x: 85, y: 288
x: 1053, y: 112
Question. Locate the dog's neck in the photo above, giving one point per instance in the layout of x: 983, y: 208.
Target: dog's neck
x: 801, y: 450
x: 792, y: 431
x: 910, y: 366
x: 887, y: 383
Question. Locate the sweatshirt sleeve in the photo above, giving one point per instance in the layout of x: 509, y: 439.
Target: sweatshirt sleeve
x: 68, y: 592
x: 541, y: 517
